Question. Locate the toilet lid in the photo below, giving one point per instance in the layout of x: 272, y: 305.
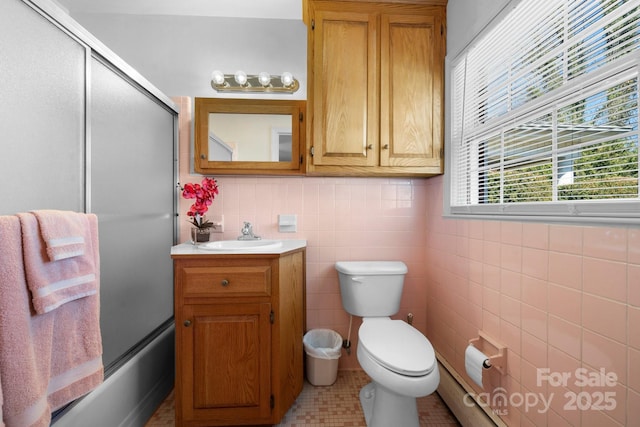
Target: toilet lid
x: 397, y: 346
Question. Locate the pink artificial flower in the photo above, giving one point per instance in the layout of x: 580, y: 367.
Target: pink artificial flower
x: 204, y: 194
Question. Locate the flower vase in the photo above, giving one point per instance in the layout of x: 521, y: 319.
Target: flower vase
x: 200, y: 235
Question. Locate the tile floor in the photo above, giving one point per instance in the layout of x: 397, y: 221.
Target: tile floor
x: 334, y: 406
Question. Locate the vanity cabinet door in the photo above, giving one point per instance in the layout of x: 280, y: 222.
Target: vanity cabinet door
x: 226, y: 369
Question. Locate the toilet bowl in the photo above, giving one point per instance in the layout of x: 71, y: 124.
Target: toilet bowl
x: 397, y: 357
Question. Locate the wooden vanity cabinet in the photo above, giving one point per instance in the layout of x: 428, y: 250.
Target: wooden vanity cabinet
x: 239, y: 328
x: 376, y: 87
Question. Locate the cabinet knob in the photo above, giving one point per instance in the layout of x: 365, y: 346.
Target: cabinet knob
x: 385, y: 147
x: 187, y: 323
x: 370, y: 147
x: 224, y: 282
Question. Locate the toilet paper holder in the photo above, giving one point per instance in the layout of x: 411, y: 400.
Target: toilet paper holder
x: 496, y: 352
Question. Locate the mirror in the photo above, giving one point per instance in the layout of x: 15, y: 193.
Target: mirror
x: 249, y: 136
x: 262, y: 138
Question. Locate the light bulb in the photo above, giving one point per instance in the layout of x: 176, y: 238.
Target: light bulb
x: 241, y: 77
x: 286, y: 79
x: 264, y: 78
x: 217, y: 77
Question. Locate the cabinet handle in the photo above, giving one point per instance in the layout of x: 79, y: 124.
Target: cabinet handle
x: 370, y: 147
x: 187, y: 323
x: 385, y: 147
x: 224, y: 282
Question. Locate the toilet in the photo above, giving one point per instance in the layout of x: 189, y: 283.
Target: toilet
x: 397, y: 357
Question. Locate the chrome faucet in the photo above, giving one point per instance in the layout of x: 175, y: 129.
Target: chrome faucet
x: 247, y: 232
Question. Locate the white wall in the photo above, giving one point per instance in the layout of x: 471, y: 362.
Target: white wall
x: 466, y: 18
x: 178, y: 53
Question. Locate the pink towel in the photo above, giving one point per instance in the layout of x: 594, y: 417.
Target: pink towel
x: 53, y: 283
x: 1, y: 422
x: 63, y: 233
x: 47, y: 360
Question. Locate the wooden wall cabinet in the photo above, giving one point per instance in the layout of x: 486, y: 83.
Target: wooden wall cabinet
x: 376, y: 87
x: 239, y: 328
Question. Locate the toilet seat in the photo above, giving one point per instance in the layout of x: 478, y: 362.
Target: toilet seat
x: 397, y: 346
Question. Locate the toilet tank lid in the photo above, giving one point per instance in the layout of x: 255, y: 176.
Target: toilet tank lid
x: 371, y: 267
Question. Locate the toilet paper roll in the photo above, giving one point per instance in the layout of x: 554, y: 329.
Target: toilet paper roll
x: 474, y: 361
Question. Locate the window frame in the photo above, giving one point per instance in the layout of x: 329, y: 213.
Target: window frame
x: 613, y: 211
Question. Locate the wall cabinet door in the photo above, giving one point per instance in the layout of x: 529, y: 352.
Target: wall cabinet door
x: 410, y: 95
x: 345, y: 103
x: 375, y: 88
x: 227, y: 363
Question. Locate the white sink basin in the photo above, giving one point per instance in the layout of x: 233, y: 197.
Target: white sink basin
x: 241, y: 245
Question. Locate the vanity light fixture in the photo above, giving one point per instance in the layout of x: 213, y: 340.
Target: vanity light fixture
x: 263, y: 82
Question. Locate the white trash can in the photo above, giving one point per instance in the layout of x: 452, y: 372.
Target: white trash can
x: 323, y: 348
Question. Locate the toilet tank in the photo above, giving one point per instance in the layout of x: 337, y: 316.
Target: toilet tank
x: 371, y: 288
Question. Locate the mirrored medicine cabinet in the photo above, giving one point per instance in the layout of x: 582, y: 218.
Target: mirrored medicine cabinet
x: 249, y: 136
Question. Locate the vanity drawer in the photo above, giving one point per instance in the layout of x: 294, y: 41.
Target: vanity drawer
x: 227, y: 281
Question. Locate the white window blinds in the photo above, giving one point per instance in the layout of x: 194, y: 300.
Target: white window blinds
x: 545, y: 112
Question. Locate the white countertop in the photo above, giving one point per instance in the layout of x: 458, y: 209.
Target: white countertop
x: 190, y: 249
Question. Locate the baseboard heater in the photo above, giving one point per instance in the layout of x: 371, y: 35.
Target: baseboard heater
x: 453, y: 389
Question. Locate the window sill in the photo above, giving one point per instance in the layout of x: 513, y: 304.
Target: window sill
x: 620, y: 213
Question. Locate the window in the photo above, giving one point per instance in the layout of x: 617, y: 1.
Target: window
x: 545, y: 113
